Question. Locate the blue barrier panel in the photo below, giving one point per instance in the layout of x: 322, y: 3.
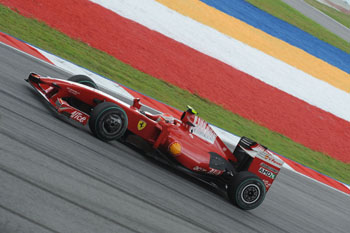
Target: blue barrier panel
x: 278, y: 28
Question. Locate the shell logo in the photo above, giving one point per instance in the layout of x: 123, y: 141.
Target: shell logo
x: 175, y: 148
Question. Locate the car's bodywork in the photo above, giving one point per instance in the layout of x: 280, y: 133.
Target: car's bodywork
x: 188, y: 144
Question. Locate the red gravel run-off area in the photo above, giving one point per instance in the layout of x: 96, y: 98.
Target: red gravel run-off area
x: 182, y: 66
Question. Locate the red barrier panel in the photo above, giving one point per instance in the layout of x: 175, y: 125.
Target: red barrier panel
x: 21, y: 46
x: 316, y: 175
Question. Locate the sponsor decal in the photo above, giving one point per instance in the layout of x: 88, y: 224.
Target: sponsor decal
x: 268, y: 167
x: 78, y: 116
x: 267, y: 173
x: 199, y: 169
x: 141, y: 125
x: 203, y: 130
x: 215, y: 172
x: 266, y: 154
x: 74, y: 92
x: 212, y: 171
x: 267, y: 183
x: 272, y: 160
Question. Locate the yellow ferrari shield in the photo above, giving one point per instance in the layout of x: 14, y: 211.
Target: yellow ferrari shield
x: 141, y: 125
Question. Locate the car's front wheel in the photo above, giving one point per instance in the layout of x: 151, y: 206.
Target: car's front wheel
x: 108, y: 121
x: 246, y: 190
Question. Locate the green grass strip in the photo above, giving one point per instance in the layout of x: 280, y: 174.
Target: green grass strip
x: 286, y: 13
x: 41, y: 35
x: 331, y: 12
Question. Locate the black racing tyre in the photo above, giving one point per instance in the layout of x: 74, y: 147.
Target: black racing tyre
x: 246, y: 190
x: 82, y: 79
x: 108, y: 121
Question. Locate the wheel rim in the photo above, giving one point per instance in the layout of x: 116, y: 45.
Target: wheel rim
x: 250, y: 193
x: 112, y: 124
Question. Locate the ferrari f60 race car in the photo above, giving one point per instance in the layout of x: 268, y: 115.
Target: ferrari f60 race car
x: 188, y: 144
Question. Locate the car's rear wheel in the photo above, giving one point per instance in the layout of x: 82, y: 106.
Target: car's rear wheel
x: 246, y: 190
x: 83, y: 79
x: 108, y: 121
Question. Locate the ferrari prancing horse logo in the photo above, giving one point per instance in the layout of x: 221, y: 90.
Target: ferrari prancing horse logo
x: 141, y: 125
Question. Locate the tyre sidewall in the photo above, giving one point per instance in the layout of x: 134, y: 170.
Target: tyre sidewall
x: 99, y: 114
x: 239, y: 184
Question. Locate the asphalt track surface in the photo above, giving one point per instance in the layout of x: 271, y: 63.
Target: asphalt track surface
x: 56, y: 177
x: 321, y: 18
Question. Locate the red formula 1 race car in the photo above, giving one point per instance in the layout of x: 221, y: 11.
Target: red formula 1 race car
x: 188, y: 144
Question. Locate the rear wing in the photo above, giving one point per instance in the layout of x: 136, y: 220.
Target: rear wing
x: 257, y: 159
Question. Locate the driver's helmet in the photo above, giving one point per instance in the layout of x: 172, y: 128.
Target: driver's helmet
x: 189, y: 116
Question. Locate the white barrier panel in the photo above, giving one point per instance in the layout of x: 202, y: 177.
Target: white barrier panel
x: 207, y: 40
